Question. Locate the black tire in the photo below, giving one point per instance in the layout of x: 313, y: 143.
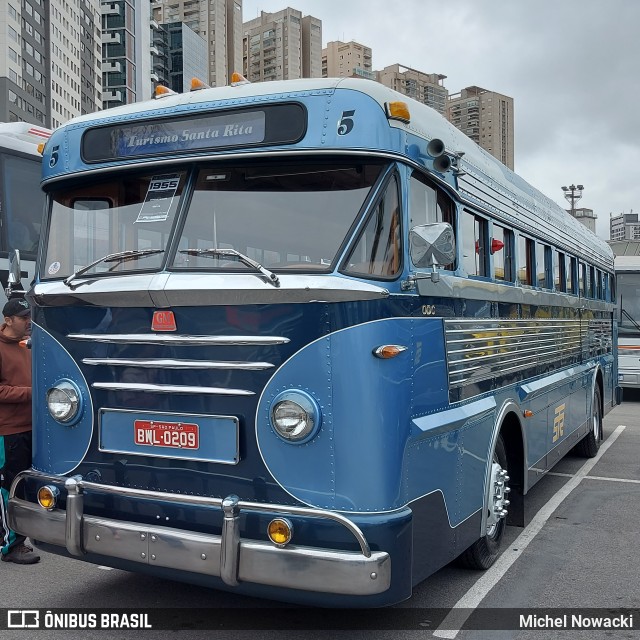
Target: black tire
x: 588, y: 447
x: 485, y: 551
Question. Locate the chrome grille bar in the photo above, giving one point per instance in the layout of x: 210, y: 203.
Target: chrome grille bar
x: 170, y: 388
x: 174, y: 340
x: 167, y: 363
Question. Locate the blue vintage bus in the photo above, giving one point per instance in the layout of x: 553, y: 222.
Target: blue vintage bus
x: 302, y: 340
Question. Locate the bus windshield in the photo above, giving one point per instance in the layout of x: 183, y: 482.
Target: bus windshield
x: 282, y: 215
x: 22, y: 202
x: 92, y: 220
x: 628, y: 286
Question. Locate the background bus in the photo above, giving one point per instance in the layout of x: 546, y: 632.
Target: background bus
x: 21, y: 199
x: 628, y: 290
x: 302, y: 340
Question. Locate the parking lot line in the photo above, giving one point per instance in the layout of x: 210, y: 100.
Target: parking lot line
x: 476, y: 594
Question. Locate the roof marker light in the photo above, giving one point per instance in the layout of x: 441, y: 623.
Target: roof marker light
x: 162, y: 92
x: 238, y: 79
x: 398, y: 111
x: 197, y: 84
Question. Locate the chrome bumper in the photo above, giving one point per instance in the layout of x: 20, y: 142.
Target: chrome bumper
x: 227, y: 556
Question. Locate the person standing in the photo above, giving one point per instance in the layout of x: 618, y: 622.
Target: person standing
x: 15, y: 420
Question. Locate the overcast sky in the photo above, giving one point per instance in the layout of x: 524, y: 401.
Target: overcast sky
x: 572, y: 68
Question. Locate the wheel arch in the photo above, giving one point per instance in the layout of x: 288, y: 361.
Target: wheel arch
x: 509, y: 426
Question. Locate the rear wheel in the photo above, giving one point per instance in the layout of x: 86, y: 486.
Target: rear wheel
x: 484, y: 552
x: 589, y: 445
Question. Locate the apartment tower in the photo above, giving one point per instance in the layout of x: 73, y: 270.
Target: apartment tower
x: 282, y: 46
x: 487, y: 118
x: 347, y: 60
x: 126, y: 46
x: 423, y: 87
x: 49, y: 60
x: 218, y: 23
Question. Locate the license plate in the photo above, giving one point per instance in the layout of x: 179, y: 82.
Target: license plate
x: 176, y: 435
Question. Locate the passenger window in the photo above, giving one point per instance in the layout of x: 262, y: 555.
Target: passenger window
x: 378, y: 250
x: 541, y: 268
x: 571, y: 275
x: 598, y: 284
x: 524, y: 258
x: 428, y: 204
x: 583, y: 279
x: 502, y: 250
x: 559, y: 263
x: 473, y: 231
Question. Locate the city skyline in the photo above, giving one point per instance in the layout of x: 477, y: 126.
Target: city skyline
x: 569, y: 66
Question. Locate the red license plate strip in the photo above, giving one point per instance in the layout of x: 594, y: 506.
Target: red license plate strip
x: 175, y: 435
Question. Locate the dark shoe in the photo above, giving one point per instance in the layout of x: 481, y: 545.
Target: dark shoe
x: 21, y: 554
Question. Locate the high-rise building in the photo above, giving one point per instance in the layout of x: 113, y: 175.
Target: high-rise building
x: 126, y: 52
x: 423, y: 87
x: 218, y: 23
x: 347, y: 60
x: 487, y: 118
x: 180, y: 55
x: 49, y: 60
x: 282, y: 46
x: 626, y: 226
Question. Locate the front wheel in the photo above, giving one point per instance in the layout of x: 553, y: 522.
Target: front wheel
x: 484, y: 552
x: 589, y: 445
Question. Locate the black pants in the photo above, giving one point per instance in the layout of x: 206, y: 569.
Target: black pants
x: 15, y: 456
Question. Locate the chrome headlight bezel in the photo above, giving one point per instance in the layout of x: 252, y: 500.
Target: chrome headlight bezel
x: 64, y: 402
x: 284, y: 409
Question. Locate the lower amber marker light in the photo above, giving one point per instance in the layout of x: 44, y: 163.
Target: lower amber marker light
x: 47, y: 497
x: 280, y: 531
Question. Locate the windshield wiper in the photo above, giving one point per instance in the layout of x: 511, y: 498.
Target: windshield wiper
x: 121, y: 256
x: 271, y: 277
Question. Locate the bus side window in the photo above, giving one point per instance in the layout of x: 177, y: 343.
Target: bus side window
x: 525, y: 260
x: 582, y: 279
x: 502, y: 252
x: 473, y: 240
x: 570, y: 274
x: 542, y: 268
x: 428, y: 204
x: 559, y: 265
x: 378, y: 249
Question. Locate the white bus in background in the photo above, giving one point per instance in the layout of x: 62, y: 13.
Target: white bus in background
x: 628, y: 286
x: 21, y: 199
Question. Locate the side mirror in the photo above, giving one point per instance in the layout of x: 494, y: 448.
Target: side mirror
x: 14, y: 284
x: 432, y: 244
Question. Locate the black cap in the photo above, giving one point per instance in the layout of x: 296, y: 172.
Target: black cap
x: 16, y: 307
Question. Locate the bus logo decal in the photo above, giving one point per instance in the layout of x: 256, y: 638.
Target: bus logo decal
x: 558, y: 423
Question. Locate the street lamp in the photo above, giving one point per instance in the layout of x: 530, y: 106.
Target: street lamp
x: 573, y: 193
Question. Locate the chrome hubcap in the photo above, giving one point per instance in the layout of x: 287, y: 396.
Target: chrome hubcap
x: 498, y: 501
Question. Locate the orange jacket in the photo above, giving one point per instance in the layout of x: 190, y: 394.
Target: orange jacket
x: 15, y: 386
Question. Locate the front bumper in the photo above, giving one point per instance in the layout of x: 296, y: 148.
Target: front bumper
x: 233, y: 559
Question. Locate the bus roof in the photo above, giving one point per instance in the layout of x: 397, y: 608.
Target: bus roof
x: 481, y: 179
x: 22, y: 136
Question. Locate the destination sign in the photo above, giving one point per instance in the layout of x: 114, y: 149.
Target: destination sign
x: 273, y: 124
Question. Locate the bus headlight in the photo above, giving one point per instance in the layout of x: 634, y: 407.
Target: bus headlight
x: 295, y: 416
x: 63, y: 401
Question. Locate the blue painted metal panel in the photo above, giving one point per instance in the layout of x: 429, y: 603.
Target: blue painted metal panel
x: 57, y: 448
x: 364, y: 456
